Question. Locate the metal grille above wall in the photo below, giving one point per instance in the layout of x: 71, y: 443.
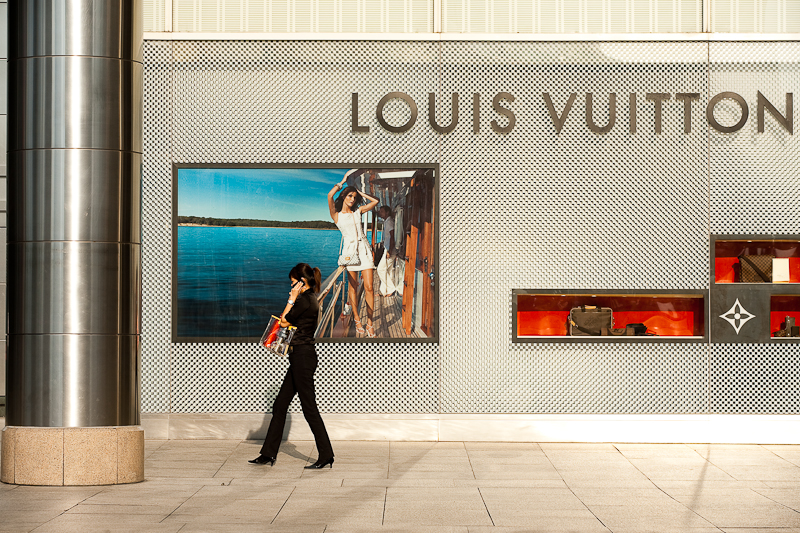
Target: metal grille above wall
x: 572, y: 16
x: 289, y: 16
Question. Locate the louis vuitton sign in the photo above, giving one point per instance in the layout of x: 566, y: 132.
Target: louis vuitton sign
x: 504, y: 120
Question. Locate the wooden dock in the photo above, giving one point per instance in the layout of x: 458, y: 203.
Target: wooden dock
x: 387, y: 318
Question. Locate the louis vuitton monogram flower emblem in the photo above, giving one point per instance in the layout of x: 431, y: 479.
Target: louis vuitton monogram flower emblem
x: 737, y: 316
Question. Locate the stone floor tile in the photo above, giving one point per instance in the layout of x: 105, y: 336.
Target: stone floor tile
x: 515, y: 472
x: 352, y: 493
x: 345, y: 473
x: 250, y: 528
x: 425, y: 474
x: 413, y: 514
x: 61, y: 527
x: 204, y: 507
x: 220, y: 519
x: 719, y: 497
x: 434, y: 507
x: 398, y: 529
x: 788, y: 497
x: 784, y: 472
x: 688, y: 473
x: 323, y: 510
x: 22, y: 518
x: 578, y: 447
x: 179, y: 473
x: 759, y: 530
x: 501, y: 446
x: 550, y: 526
x: 506, y: 483
x: 507, y: 454
x: 426, y: 445
x: 590, y: 479
x: 558, y: 520
x: 187, y: 481
x: 664, y: 527
x: 655, y: 517
x: 421, y: 483
x: 471, y: 494
x: 760, y: 516
x: 459, y: 467
x: 708, y: 484
x: 647, y: 450
x: 533, y: 500
x: 620, y: 496
x: 101, y: 522
x: 130, y: 509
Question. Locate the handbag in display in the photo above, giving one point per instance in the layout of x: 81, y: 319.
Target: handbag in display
x: 349, y: 256
x: 277, y: 339
x: 789, y: 329
x: 589, y: 320
x: 756, y: 268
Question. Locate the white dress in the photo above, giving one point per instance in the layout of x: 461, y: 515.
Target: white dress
x: 350, y: 226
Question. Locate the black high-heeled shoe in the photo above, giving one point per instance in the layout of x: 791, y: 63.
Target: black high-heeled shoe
x: 262, y: 460
x: 321, y: 464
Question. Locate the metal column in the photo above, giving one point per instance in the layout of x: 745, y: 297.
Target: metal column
x: 74, y: 196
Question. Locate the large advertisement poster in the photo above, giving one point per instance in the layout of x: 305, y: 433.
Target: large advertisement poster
x: 238, y: 231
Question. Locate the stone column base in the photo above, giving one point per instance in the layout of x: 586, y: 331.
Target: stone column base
x: 72, y: 456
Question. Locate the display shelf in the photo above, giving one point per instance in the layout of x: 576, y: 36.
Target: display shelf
x: 782, y: 306
x: 669, y: 315
x: 727, y: 265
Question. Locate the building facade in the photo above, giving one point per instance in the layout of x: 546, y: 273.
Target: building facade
x: 620, y: 154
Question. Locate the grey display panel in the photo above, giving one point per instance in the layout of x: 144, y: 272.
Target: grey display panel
x: 529, y: 208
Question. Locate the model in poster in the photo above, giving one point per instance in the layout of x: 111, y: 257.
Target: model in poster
x: 346, y: 213
x: 301, y: 311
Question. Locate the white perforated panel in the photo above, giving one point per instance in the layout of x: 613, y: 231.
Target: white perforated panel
x: 749, y: 379
x: 157, y: 228
x: 576, y: 210
x: 754, y: 176
x: 527, y: 209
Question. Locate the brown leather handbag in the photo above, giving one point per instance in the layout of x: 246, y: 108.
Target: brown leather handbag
x: 756, y: 268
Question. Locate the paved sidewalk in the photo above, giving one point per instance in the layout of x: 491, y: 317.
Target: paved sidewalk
x: 433, y: 487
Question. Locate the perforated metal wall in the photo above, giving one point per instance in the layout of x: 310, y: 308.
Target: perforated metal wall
x: 528, y: 209
x: 755, y: 188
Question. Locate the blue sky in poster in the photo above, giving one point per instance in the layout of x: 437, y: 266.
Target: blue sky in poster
x: 259, y: 193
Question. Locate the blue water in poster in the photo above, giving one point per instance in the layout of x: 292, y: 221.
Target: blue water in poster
x: 232, y: 279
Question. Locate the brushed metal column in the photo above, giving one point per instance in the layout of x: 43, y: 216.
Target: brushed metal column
x: 74, y: 203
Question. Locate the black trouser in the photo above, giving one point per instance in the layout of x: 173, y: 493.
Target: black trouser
x: 299, y: 380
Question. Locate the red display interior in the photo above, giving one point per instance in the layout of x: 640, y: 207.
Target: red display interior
x: 726, y: 257
x: 665, y: 315
x: 781, y: 306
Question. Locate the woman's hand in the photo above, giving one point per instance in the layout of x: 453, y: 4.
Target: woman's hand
x: 297, y: 288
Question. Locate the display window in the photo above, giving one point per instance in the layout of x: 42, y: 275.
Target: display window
x: 581, y: 316
x: 756, y: 260
x: 784, y: 316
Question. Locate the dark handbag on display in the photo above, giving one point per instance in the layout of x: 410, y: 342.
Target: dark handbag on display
x: 789, y: 330
x: 589, y: 320
x: 756, y: 268
x: 349, y: 256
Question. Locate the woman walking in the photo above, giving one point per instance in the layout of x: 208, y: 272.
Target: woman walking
x: 301, y: 311
x: 346, y: 212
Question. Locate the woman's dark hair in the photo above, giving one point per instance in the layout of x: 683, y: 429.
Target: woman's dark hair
x: 312, y: 276
x: 339, y: 202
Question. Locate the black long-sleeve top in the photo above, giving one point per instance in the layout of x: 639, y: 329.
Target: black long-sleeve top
x: 304, y: 316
